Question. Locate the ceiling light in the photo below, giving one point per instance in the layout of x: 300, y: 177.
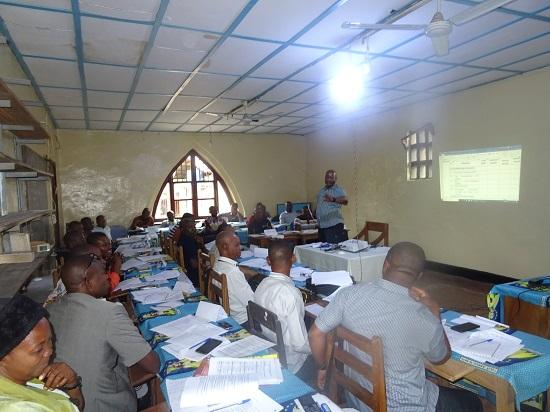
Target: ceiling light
x: 347, y: 87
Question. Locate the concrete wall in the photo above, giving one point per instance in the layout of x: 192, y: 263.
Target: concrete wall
x: 506, y: 238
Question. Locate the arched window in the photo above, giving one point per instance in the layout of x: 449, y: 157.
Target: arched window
x: 192, y: 187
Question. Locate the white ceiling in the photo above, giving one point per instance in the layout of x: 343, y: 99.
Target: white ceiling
x: 115, y: 64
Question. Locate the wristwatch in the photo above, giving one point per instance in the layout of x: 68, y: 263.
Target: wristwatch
x: 78, y: 384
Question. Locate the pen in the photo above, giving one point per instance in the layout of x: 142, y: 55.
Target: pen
x: 229, y: 406
x: 483, y: 341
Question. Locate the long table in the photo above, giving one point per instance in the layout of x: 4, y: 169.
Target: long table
x: 291, y: 387
x: 364, y: 266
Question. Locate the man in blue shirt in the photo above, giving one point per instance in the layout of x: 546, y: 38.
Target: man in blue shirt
x: 330, y: 199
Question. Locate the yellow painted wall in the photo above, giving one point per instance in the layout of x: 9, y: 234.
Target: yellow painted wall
x: 119, y: 173
x: 506, y: 238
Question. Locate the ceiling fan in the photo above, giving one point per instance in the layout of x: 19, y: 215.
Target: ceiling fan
x: 245, y: 118
x: 439, y: 28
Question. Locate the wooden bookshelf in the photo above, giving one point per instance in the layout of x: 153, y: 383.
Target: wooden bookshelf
x: 15, y: 219
x: 13, y: 276
x: 15, y: 168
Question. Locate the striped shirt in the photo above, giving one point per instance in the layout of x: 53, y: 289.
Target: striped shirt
x: 410, y: 334
x: 329, y: 213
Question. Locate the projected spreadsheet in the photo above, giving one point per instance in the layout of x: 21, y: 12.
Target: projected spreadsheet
x: 482, y: 174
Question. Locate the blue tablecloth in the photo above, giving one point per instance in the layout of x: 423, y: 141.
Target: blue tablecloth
x: 517, y: 289
x: 291, y: 387
x: 528, y: 378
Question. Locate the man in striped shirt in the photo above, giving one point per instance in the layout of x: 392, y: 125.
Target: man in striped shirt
x: 408, y: 321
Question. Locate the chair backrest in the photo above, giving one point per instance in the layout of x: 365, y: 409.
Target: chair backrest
x: 382, y: 228
x: 171, y: 248
x: 259, y: 316
x: 373, y: 372
x: 217, y: 289
x: 205, y: 266
x: 179, y: 256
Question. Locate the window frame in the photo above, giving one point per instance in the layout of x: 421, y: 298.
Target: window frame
x: 169, y: 180
x: 426, y: 146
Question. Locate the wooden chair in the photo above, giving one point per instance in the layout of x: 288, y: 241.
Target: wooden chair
x: 382, y: 228
x: 161, y: 407
x: 180, y: 257
x: 205, y: 265
x: 171, y: 248
x: 374, y: 372
x: 56, y: 275
x: 259, y: 316
x: 139, y: 377
x: 217, y: 289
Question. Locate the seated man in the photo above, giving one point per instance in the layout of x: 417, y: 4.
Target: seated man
x: 288, y: 216
x: 234, y: 215
x: 97, y: 338
x: 143, y: 220
x: 259, y: 220
x: 113, y: 260
x: 73, y: 239
x: 170, y: 220
x: 305, y: 214
x: 191, y: 242
x: 239, y: 290
x: 278, y: 294
x: 409, y: 324
x: 102, y: 227
x: 87, y: 225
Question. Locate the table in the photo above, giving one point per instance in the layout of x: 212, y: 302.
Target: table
x: 294, y: 236
x: 364, y: 266
x: 522, y: 307
x: 291, y: 388
x: 513, y: 383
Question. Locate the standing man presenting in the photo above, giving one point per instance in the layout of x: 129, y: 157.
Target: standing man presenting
x: 330, y: 199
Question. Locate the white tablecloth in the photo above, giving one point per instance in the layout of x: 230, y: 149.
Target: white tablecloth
x: 364, y: 266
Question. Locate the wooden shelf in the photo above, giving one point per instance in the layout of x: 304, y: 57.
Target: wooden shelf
x: 17, y: 114
x: 14, y: 275
x: 17, y: 169
x: 14, y: 219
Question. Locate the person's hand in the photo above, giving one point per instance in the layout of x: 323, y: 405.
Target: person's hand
x: 321, y: 379
x: 329, y: 198
x: 116, y: 263
x: 202, y: 370
x: 420, y: 295
x: 57, y: 375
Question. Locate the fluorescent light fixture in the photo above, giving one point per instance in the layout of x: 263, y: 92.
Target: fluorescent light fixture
x: 347, y: 87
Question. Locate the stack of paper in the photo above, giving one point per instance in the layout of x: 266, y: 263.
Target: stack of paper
x: 210, y: 312
x: 134, y: 264
x: 300, y: 273
x: 132, y: 239
x: 256, y: 263
x: 155, y: 295
x: 246, y: 254
x: 128, y: 284
x: 163, y: 275
x: 259, y: 252
x: 265, y: 371
x: 315, y: 309
x: 338, y: 278
x: 243, y: 347
x: 241, y: 399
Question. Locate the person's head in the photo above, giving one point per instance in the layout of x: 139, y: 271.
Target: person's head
x: 280, y: 256
x: 25, y: 340
x: 75, y: 226
x: 87, y: 223
x: 259, y: 211
x: 305, y: 210
x: 102, y: 242
x: 101, y: 221
x: 330, y: 178
x: 213, y: 210
x: 404, y: 263
x: 234, y: 208
x: 188, y: 226
x: 170, y: 215
x: 86, y: 250
x: 228, y: 244
x: 288, y: 206
x: 188, y: 216
x: 73, y: 239
x: 85, y: 274
x: 146, y: 213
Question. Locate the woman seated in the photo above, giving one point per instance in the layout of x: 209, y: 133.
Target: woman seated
x: 25, y: 351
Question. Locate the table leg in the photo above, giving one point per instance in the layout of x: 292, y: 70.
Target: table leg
x: 505, y: 396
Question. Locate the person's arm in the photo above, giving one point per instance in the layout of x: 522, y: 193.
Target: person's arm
x: 423, y: 297
x: 149, y: 363
x: 59, y: 375
x: 318, y: 345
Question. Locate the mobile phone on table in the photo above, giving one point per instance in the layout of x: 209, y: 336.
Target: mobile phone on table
x: 208, y: 346
x: 465, y: 327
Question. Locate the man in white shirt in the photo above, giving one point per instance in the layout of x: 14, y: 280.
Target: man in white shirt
x: 278, y: 294
x: 288, y: 216
x: 239, y: 290
x: 102, y: 227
